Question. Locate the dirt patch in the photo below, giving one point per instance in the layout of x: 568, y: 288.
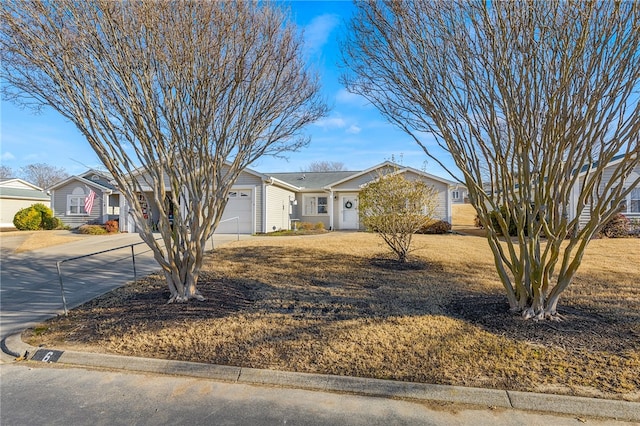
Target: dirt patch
x: 333, y: 304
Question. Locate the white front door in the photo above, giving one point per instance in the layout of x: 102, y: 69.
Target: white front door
x: 349, y: 212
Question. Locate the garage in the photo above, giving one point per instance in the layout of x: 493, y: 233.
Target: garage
x: 240, y: 205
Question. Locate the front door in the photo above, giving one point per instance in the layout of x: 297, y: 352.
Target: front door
x: 349, y: 212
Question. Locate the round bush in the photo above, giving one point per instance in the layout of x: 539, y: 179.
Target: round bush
x: 437, y: 227
x: 92, y: 230
x: 27, y: 219
x: 616, y: 227
x: 37, y: 216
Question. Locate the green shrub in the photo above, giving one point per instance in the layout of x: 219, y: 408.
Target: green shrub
x: 111, y: 226
x: 616, y: 227
x: 37, y: 216
x: 92, y: 230
x: 27, y: 219
x: 435, y: 227
x: 513, y: 227
x: 53, y: 223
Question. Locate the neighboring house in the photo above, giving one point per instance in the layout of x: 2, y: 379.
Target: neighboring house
x: 459, y: 194
x: 630, y: 207
x: 261, y: 203
x: 16, y: 194
x: 68, y: 199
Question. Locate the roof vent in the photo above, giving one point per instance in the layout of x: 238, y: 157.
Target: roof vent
x: 303, y: 177
x: 95, y: 177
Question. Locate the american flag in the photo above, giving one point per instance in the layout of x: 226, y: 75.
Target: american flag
x: 88, y: 202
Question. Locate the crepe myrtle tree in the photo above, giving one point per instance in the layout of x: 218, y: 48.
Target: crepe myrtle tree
x: 175, y: 97
x: 532, y: 100
x: 395, y: 208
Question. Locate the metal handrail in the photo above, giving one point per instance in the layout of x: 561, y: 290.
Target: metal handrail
x: 133, y: 259
x: 60, y: 262
x: 237, y: 219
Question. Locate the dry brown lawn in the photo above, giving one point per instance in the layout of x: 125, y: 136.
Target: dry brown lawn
x: 463, y: 220
x: 21, y: 241
x: 337, y: 304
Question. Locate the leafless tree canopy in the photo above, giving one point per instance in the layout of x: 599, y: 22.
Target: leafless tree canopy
x: 325, y: 166
x: 175, y: 97
x: 532, y: 99
x: 43, y: 175
x: 6, y: 172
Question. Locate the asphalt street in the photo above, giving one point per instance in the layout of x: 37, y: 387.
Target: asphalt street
x: 43, y: 395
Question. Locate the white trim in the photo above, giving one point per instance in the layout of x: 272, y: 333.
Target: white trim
x: 399, y: 169
x: 331, y: 203
x: 4, y: 183
x: 83, y: 181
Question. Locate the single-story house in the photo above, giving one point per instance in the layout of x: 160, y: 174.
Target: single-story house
x: 69, y: 199
x: 17, y: 194
x: 261, y: 203
x: 629, y: 208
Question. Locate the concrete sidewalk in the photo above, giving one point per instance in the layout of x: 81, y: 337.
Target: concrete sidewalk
x: 31, y: 288
x: 490, y: 398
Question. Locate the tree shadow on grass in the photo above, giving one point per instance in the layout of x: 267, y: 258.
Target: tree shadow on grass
x: 581, y: 326
x: 324, y: 288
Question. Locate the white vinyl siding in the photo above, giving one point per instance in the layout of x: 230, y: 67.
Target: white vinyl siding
x: 280, y: 208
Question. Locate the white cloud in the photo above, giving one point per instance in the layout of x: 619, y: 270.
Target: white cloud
x: 7, y: 156
x: 317, y: 32
x: 345, y: 97
x: 353, y: 129
x: 331, y: 123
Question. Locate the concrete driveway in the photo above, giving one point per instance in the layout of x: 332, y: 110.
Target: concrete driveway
x: 29, y: 284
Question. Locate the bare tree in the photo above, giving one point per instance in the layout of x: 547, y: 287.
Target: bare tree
x: 396, y: 208
x: 43, y: 175
x: 325, y: 166
x: 532, y: 100
x: 176, y: 98
x: 6, y: 172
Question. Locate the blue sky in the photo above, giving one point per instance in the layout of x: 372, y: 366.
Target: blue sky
x: 353, y: 133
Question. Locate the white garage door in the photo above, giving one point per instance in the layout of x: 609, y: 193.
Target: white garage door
x: 240, y: 205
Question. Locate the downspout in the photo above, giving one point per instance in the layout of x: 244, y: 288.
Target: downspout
x: 447, y: 200
x: 331, y: 209
x: 265, y: 211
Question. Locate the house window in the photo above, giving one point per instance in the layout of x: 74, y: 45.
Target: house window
x: 239, y: 194
x: 75, y: 202
x: 455, y: 195
x: 634, y: 201
x: 316, y: 205
x: 75, y: 205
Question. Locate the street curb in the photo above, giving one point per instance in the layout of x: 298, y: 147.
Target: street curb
x: 494, y: 398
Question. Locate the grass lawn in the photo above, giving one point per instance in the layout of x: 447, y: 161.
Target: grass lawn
x: 335, y: 303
